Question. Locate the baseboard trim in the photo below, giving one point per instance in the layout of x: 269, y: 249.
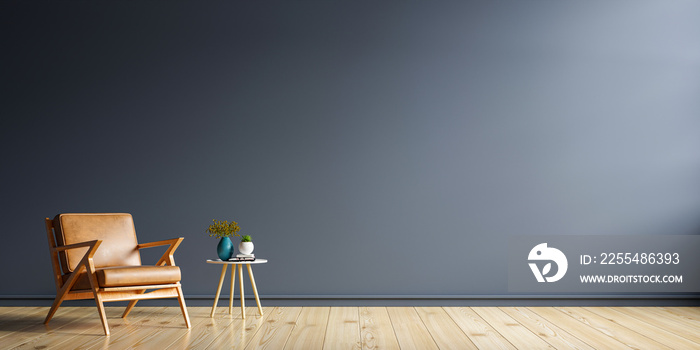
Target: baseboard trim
x: 414, y: 297
x: 393, y: 300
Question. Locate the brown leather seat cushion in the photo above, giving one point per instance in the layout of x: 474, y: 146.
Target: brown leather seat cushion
x: 121, y: 276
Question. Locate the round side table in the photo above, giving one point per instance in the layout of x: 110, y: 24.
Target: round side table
x: 233, y: 282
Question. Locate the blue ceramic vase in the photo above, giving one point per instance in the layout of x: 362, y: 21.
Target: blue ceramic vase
x: 225, y: 248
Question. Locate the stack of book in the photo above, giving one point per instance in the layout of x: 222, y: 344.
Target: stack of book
x: 243, y: 257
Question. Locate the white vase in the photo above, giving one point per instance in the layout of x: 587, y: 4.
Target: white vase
x: 246, y: 247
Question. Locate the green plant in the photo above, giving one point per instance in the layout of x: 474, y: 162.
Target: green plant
x: 223, y: 229
x: 245, y: 238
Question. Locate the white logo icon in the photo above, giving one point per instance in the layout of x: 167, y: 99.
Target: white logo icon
x: 542, y: 252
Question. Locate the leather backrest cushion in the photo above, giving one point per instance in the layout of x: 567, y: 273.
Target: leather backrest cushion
x: 116, y: 231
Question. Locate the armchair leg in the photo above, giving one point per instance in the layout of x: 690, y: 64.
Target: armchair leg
x: 56, y: 303
x: 129, y: 308
x: 101, y: 311
x: 131, y: 305
x: 62, y: 293
x: 183, y: 307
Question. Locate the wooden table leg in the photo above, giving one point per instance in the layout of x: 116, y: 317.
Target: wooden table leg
x: 255, y: 289
x: 218, y: 290
x: 233, y: 284
x: 240, y: 280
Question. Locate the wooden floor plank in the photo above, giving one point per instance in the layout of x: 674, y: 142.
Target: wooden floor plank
x: 199, y: 336
x: 16, y: 320
x: 204, y: 328
x: 516, y: 333
x: 273, y: 334
x: 663, y: 320
x: 38, y: 330
x: 612, y: 329
x: 445, y: 332
x: 353, y: 327
x: 310, y: 329
x: 692, y: 315
x: 140, y: 337
x: 117, y: 326
x: 651, y: 331
x: 8, y: 312
x: 688, y: 310
x: 168, y: 328
x: 343, y: 331
x: 238, y: 333
x: 121, y: 328
x: 546, y: 330
x: 5, y: 309
x: 376, y: 329
x: 578, y: 329
x: 479, y: 331
x: 86, y: 329
x: 410, y: 330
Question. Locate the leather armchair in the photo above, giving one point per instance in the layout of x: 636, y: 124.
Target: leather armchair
x: 96, y: 256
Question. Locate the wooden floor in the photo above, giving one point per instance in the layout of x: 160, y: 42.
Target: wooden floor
x: 357, y: 328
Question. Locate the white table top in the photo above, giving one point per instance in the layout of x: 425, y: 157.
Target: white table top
x: 219, y: 261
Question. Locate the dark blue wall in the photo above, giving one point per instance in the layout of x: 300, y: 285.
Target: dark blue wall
x: 369, y: 148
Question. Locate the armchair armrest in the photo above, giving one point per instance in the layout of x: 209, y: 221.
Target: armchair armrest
x: 77, y: 245
x: 167, y: 258
x: 85, y: 263
x: 160, y: 243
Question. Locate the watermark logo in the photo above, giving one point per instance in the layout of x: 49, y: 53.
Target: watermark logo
x: 543, y: 253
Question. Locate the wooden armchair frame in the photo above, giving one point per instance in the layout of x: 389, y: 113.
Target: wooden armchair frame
x: 65, y: 289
